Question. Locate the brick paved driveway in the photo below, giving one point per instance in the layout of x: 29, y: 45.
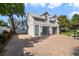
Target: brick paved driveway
x: 54, y: 45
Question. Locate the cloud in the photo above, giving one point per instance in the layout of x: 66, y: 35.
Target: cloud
x: 53, y: 5
x: 70, y: 4
x: 49, y: 5
x: 38, y: 4
x: 74, y: 5
x: 75, y: 12
x: 72, y: 13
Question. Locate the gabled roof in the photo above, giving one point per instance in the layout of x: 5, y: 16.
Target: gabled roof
x: 37, y: 17
x: 53, y: 16
x: 40, y: 18
x: 46, y: 13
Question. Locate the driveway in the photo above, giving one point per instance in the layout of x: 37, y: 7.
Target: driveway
x: 54, y: 45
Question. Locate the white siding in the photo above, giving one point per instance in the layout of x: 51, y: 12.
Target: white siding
x: 45, y: 24
x: 31, y: 26
x: 32, y: 23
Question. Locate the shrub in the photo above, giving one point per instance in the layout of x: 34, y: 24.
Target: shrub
x: 6, y: 34
x: 2, y: 38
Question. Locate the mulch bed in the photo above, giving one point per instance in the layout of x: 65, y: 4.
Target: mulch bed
x: 2, y: 46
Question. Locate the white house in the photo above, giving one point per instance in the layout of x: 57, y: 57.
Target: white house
x: 42, y: 25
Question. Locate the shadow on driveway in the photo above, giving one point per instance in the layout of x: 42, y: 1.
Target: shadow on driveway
x: 16, y: 45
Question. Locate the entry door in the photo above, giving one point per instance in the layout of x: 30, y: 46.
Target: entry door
x: 54, y: 30
x: 45, y: 30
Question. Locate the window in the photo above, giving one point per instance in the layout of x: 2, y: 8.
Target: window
x: 45, y: 30
x: 36, y: 29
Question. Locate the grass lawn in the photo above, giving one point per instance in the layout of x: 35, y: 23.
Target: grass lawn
x: 71, y: 33
x: 68, y: 33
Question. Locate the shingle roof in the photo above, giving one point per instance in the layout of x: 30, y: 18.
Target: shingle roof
x: 39, y: 19
x: 53, y: 16
x: 45, y: 13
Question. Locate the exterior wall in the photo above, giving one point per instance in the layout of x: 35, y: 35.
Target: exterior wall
x: 31, y: 26
x: 31, y: 23
x: 40, y: 30
x: 45, y: 24
x: 50, y: 25
x: 57, y: 30
x: 50, y: 29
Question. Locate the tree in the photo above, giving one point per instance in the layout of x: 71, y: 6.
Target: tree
x: 10, y: 9
x: 74, y: 19
x: 64, y: 23
x: 2, y: 23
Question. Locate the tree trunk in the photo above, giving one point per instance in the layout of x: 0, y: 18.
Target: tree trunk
x: 12, y: 22
x: 75, y: 31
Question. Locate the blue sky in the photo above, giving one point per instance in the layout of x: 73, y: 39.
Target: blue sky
x: 52, y: 8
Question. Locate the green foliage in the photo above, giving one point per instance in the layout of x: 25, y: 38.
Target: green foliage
x: 75, y: 19
x: 2, y: 23
x: 64, y: 23
x: 10, y: 9
x: 2, y: 38
x: 5, y: 36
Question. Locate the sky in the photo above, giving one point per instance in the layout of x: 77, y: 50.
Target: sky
x: 58, y: 9
x: 53, y: 8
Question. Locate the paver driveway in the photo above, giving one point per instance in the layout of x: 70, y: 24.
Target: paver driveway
x: 54, y: 45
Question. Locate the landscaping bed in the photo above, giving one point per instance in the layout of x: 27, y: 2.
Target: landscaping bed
x: 4, y: 39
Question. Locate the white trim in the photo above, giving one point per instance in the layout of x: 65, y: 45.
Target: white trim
x: 32, y: 23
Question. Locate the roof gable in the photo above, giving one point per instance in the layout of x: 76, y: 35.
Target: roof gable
x: 39, y: 19
x: 46, y: 13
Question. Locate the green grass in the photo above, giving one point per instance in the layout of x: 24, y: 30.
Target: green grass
x: 68, y: 33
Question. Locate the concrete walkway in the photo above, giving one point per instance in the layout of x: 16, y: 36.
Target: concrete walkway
x: 54, y: 45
